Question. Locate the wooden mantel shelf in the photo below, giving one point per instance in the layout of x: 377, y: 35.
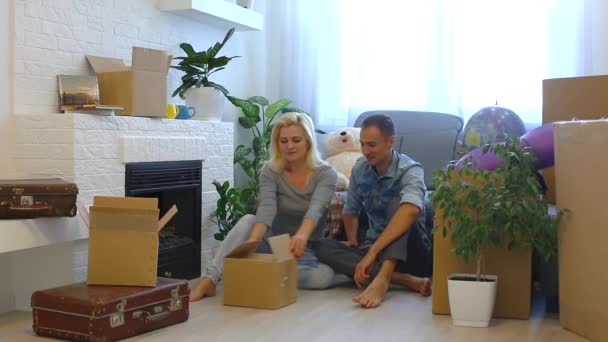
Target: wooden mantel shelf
x: 217, y: 13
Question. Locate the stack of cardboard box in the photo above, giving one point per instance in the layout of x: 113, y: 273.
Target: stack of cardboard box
x: 577, y: 182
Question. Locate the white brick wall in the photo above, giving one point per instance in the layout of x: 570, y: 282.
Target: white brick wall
x: 91, y: 150
x: 52, y: 37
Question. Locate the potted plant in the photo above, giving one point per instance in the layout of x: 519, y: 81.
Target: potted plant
x: 205, y: 96
x: 480, y: 208
x: 258, y: 116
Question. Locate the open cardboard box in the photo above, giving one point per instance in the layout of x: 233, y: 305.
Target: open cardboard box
x: 141, y: 89
x: 123, y: 240
x: 263, y: 281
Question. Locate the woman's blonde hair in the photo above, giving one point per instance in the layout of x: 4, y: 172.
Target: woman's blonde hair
x: 277, y: 162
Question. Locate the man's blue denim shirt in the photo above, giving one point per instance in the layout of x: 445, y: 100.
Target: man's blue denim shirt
x: 381, y: 196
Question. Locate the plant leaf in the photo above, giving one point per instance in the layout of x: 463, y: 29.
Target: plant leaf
x: 274, y: 108
x: 262, y: 101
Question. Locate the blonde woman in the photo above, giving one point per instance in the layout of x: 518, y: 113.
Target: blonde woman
x: 296, y: 187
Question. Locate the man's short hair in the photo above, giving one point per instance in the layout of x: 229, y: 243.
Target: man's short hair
x: 383, y: 122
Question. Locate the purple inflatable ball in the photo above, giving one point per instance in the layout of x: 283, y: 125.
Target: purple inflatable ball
x: 488, y: 161
x: 540, y: 140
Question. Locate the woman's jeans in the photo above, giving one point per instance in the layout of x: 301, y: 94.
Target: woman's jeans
x: 311, y: 273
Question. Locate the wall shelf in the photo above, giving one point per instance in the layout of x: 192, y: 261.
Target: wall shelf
x: 217, y: 13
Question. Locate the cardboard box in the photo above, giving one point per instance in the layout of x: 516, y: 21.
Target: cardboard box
x: 564, y: 98
x: 580, y: 173
x: 514, y: 271
x: 123, y: 240
x: 263, y: 281
x: 141, y: 89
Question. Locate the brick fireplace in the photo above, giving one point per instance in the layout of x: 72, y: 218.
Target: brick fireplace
x: 93, y: 151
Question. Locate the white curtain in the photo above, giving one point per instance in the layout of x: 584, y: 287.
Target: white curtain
x: 339, y: 58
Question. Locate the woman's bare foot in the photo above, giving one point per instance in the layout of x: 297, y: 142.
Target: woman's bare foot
x: 374, y: 294
x: 205, y: 288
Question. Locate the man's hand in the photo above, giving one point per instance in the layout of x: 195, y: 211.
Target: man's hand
x: 298, y: 245
x: 363, y: 269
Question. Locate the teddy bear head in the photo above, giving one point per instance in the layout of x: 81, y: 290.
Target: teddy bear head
x: 343, y: 140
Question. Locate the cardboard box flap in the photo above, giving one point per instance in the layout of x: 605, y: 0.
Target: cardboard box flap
x: 125, y: 202
x: 121, y: 220
x: 167, y: 217
x: 150, y: 60
x: 280, y: 247
x: 582, y: 131
x: 104, y: 64
x: 243, y: 250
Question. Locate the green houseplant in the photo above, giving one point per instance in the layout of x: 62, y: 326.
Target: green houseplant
x: 480, y: 208
x: 259, y: 117
x: 197, y: 88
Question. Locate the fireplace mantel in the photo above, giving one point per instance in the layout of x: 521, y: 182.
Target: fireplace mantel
x: 91, y: 151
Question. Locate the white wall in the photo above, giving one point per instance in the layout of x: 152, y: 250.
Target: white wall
x: 49, y: 266
x: 7, y: 298
x: 53, y: 37
x: 596, y: 18
x: 7, y: 168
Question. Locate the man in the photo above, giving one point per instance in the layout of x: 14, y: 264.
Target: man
x: 389, y: 187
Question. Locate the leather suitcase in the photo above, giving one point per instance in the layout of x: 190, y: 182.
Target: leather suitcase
x: 102, y: 313
x: 32, y: 198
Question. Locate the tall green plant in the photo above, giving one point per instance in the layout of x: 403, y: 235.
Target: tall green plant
x: 482, y: 208
x: 200, y: 65
x: 259, y: 116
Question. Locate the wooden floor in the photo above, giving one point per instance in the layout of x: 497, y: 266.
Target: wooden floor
x: 327, y: 315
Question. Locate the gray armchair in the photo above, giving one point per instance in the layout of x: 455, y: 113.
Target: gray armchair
x: 427, y: 137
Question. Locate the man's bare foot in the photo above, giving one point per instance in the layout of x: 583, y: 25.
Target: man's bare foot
x: 374, y: 294
x: 206, y: 288
x: 421, y: 285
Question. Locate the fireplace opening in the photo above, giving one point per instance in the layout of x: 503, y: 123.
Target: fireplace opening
x: 179, y: 183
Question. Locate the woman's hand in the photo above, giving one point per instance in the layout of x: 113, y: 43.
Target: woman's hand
x: 298, y: 244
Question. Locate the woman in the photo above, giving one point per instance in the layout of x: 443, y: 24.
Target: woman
x: 295, y: 190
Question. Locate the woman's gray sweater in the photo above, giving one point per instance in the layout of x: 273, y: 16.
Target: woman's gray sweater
x: 283, y: 206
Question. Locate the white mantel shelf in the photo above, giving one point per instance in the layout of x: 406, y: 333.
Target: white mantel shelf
x: 30, y: 233
x: 218, y: 13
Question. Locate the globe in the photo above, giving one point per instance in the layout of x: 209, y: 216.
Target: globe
x: 488, y: 126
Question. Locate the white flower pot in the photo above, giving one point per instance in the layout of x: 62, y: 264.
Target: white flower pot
x: 208, y: 103
x: 472, y: 302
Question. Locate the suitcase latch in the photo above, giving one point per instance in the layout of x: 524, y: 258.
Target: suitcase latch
x: 118, y: 318
x: 176, y: 302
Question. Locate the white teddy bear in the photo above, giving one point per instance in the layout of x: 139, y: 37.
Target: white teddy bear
x: 343, y: 148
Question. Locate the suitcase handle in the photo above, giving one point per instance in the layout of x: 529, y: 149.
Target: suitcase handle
x: 148, y: 317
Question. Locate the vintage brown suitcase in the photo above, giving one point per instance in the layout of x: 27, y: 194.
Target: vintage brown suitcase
x: 31, y: 198
x: 102, y: 313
